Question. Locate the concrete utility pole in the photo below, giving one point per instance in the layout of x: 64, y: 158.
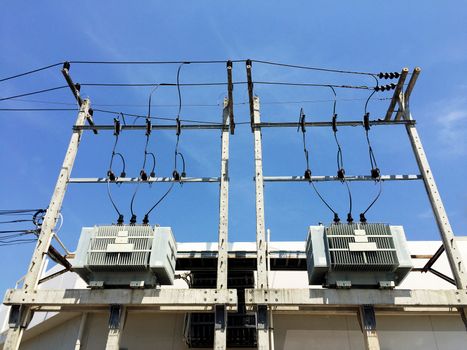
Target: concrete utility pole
x: 220, y: 329
x: 23, y: 314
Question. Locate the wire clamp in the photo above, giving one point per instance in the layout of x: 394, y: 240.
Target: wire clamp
x: 148, y: 127
x: 179, y: 127
x: 301, y: 121
x: 111, y: 175
x: 366, y: 121
x: 375, y: 174
x: 341, y: 174
x: 334, y: 123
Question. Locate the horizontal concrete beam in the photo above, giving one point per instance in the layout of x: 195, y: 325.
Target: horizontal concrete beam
x: 74, y: 299
x: 339, y: 298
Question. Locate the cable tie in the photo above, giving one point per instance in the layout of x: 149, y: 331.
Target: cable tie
x: 307, y: 174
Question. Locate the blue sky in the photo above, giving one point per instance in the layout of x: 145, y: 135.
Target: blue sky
x: 359, y: 36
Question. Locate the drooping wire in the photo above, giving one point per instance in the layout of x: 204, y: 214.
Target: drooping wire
x: 308, y: 175
x: 176, y: 175
x: 143, y: 174
x: 110, y: 174
x: 339, y: 157
x: 146, y: 216
x: 375, y: 172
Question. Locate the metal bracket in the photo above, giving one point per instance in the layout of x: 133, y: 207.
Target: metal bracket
x: 115, y: 316
x: 220, y: 317
x: 367, y: 318
x: 262, y: 317
x: 20, y: 316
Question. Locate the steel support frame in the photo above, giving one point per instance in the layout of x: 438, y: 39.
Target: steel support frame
x: 32, y: 277
x: 220, y: 329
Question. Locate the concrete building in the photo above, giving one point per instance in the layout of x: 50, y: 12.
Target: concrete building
x: 313, y: 328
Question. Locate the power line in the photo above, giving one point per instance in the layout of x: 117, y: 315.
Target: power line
x: 156, y: 62
x: 160, y: 84
x: 361, y: 87
x: 36, y: 109
x: 31, y: 71
x: 34, y: 92
x: 314, y: 68
x: 206, y: 104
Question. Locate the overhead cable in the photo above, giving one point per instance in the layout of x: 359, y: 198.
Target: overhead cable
x: 340, y: 159
x: 34, y: 92
x: 308, y: 174
x: 31, y: 71
x: 110, y: 174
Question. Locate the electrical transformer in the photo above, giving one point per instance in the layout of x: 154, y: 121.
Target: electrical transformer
x: 360, y: 255
x: 136, y: 256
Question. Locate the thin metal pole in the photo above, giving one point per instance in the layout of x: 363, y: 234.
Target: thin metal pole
x: 33, y: 275
x: 220, y: 333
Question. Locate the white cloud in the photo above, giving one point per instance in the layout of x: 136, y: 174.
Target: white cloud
x: 452, y: 128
